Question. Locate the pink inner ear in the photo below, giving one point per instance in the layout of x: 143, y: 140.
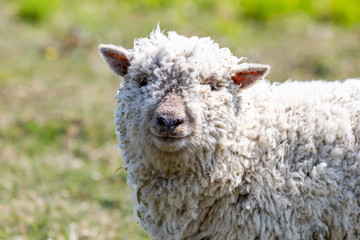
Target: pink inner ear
x: 121, y: 60
x: 245, y: 78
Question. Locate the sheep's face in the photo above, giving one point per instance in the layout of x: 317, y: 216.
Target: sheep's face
x: 179, y: 95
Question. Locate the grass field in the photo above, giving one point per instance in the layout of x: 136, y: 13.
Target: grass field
x: 58, y: 156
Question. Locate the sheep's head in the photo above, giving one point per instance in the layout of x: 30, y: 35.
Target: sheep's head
x: 179, y: 95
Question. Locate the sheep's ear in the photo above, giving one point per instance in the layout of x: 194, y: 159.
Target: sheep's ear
x: 117, y: 58
x: 248, y: 73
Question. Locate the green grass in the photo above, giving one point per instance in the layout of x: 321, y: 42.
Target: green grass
x: 58, y: 154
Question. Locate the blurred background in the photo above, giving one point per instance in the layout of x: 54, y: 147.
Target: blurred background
x: 58, y: 156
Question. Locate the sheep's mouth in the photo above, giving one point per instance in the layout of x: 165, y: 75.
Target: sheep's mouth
x: 169, y: 144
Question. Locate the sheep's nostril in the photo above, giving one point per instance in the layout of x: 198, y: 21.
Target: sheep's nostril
x: 176, y: 122
x: 162, y: 121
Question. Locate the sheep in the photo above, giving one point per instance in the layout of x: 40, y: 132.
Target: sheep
x: 214, y: 151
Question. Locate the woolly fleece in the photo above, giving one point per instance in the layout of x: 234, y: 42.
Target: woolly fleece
x: 270, y: 161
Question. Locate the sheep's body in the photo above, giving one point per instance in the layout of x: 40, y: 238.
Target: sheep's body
x: 274, y: 161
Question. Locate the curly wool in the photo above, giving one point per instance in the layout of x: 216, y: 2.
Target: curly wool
x: 271, y: 161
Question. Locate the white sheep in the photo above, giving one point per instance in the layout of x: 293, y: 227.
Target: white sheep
x: 211, y: 155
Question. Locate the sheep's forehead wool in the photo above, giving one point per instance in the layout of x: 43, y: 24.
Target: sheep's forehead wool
x: 181, y: 58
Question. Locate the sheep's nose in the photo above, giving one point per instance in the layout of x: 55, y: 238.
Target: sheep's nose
x: 169, y: 119
x: 169, y: 124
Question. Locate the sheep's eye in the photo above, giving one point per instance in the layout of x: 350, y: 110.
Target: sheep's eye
x: 212, y: 83
x: 143, y: 82
x: 213, y: 87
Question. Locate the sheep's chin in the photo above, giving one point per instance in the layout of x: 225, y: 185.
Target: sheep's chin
x: 169, y: 144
